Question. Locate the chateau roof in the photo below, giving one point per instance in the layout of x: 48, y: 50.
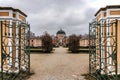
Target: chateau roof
x: 107, y: 7
x: 10, y: 8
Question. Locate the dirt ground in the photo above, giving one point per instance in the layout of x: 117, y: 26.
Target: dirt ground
x: 59, y: 65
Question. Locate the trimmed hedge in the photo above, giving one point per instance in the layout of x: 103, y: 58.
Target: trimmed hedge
x: 73, y: 44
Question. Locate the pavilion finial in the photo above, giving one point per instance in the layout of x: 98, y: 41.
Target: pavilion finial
x: 60, y: 28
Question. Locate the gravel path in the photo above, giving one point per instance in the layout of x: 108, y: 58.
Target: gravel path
x: 59, y: 65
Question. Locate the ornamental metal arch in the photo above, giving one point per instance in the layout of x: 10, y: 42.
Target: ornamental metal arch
x: 14, y: 49
x: 103, y: 49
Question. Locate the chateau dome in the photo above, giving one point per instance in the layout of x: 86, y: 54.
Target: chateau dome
x: 61, y: 32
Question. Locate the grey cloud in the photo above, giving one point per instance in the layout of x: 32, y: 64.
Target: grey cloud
x: 51, y: 15
x: 90, y: 12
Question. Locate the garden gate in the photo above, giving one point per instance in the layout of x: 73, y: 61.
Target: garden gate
x: 14, y: 49
x: 103, y: 49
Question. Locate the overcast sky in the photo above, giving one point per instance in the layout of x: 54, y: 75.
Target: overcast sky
x: 73, y: 16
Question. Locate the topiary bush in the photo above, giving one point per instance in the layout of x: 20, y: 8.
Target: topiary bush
x: 73, y: 44
x: 47, y: 43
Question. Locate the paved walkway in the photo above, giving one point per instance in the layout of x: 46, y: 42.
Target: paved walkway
x: 59, y: 65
